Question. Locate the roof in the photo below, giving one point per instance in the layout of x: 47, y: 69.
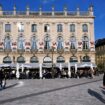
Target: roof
x: 100, y: 42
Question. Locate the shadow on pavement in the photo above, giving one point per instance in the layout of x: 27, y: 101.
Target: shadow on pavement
x: 103, y: 92
x: 96, y: 95
x: 10, y: 86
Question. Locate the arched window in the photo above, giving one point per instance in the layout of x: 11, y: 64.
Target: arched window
x: 47, y: 59
x: 60, y: 59
x: 73, y: 59
x: 72, y: 28
x: 7, y: 43
x: 47, y: 28
x: 86, y: 59
x: 59, y: 43
x: 33, y: 43
x: 85, y: 28
x: 47, y: 42
x: 21, y: 43
x: 34, y: 27
x: 73, y: 42
x: 85, y: 42
x: 7, y: 59
x: 21, y: 59
x: 59, y: 28
x: 34, y: 59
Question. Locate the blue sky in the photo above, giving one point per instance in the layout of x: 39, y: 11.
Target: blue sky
x: 99, y: 9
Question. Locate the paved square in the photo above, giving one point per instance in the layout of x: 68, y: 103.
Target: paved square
x: 54, y: 92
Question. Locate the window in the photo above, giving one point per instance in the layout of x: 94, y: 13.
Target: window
x: 47, y: 59
x: 34, y: 28
x: 21, y: 59
x: 73, y: 59
x: 59, y: 28
x: 73, y: 43
x: 85, y: 28
x: 34, y: 59
x: 7, y: 43
x: 7, y: 59
x: 59, y: 43
x: 72, y: 28
x: 7, y: 27
x: 60, y: 59
x: 47, y: 42
x: 86, y: 59
x: 85, y: 42
x: 33, y: 43
x: 20, y: 27
x: 21, y: 43
x: 47, y: 28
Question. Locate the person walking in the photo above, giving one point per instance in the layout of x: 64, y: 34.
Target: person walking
x: 1, y: 78
x: 104, y: 80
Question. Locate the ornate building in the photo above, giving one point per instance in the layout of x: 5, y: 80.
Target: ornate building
x: 41, y: 37
x: 100, y: 53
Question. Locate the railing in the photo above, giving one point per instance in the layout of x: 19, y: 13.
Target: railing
x: 7, y: 12
x: 59, y: 13
x: 71, y: 13
x: 46, y: 13
x: 83, y: 13
x: 20, y: 12
x: 33, y: 13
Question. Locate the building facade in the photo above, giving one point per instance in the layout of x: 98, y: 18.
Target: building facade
x: 47, y: 37
x: 100, y: 53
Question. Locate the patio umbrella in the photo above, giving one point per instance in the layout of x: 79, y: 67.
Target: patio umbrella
x: 91, y: 65
x: 5, y: 65
x: 17, y: 71
x: 92, y: 70
x: 40, y: 70
x: 69, y: 71
x: 75, y: 68
x: 22, y: 66
x: 60, y: 67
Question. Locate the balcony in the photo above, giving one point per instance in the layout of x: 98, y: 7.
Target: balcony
x: 46, y: 13
x: 86, y: 50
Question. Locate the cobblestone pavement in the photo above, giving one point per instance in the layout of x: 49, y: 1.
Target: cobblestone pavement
x: 54, y: 92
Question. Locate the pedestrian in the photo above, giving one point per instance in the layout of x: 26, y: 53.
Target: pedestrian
x: 104, y: 80
x: 1, y: 78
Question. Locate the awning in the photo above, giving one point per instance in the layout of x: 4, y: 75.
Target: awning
x: 86, y: 64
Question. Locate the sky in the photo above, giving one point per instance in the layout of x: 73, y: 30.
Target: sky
x: 99, y: 9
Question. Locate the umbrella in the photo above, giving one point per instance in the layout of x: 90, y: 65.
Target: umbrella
x: 17, y: 71
x: 75, y: 68
x: 22, y: 66
x: 60, y: 67
x: 40, y: 70
x: 69, y: 71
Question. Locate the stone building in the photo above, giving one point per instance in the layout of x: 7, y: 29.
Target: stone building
x: 100, y: 53
x: 47, y: 37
